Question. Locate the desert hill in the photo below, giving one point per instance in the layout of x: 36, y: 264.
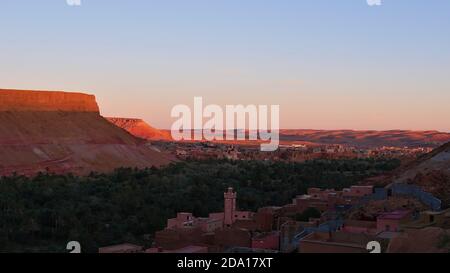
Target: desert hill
x: 63, y: 132
x: 367, y: 139
x: 359, y: 139
x: 140, y: 128
x: 431, y: 172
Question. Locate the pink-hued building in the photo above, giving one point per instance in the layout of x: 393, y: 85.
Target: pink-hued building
x: 364, y: 227
x: 216, y: 216
x: 267, y: 218
x: 186, y: 229
x: 187, y: 220
x: 267, y: 241
x: 338, y: 242
x: 182, y: 220
x: 232, y: 237
x: 170, y: 239
x: 229, y: 207
x: 328, y: 199
x: 235, y: 228
x: 386, y: 222
x: 231, y: 214
x: 209, y: 224
x: 357, y: 191
x: 391, y: 221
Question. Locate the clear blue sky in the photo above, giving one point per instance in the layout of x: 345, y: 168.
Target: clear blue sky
x: 330, y: 64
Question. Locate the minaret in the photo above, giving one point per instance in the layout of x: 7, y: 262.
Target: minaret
x: 229, y: 207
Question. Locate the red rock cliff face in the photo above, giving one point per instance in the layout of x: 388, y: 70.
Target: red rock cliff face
x: 19, y: 100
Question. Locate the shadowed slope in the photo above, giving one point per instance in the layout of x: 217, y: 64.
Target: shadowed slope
x: 431, y: 172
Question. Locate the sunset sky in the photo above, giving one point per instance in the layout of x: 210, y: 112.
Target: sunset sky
x: 329, y: 64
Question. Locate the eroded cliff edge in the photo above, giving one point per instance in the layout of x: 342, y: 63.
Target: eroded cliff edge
x: 22, y: 100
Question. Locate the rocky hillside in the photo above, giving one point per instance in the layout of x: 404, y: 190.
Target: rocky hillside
x: 140, y: 128
x: 431, y: 172
x: 63, y: 132
x: 368, y: 139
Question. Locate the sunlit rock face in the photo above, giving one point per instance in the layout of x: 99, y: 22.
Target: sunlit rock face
x: 20, y: 100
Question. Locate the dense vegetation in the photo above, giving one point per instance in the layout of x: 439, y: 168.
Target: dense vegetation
x: 45, y: 212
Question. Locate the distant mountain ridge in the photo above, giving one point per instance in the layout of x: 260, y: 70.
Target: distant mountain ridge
x: 354, y: 138
x: 368, y: 139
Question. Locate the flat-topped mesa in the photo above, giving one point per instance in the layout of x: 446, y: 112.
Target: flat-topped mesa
x: 46, y: 101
